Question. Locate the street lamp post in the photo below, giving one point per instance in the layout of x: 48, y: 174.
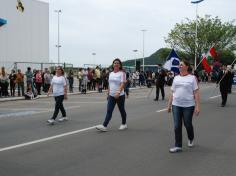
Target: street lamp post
x: 58, y: 37
x: 143, y: 30
x: 195, y: 57
x: 94, y: 54
x: 135, y: 57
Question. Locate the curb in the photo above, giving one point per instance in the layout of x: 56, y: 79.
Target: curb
x: 45, y: 96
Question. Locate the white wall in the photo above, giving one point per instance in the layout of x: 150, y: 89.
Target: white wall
x: 25, y: 37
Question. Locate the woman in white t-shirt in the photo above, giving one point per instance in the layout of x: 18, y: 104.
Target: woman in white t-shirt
x: 59, y: 89
x: 116, y: 95
x: 184, y: 101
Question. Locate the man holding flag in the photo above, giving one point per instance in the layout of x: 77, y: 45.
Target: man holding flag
x: 224, y: 79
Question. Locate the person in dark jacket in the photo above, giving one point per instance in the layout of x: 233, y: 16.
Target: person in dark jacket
x: 160, y: 83
x: 224, y: 79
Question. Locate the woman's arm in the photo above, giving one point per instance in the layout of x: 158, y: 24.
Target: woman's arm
x: 65, y: 91
x: 50, y: 90
x: 170, y: 102
x: 121, y: 88
x: 197, y: 101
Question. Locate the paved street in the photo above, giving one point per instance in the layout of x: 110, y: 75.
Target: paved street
x: 30, y: 147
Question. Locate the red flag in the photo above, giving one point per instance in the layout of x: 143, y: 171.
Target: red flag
x: 208, y: 59
x: 205, y: 65
x: 213, y: 53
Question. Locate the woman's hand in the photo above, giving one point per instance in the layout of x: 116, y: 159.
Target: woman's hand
x: 117, y: 95
x: 197, y: 110
x: 65, y: 97
x: 169, y: 109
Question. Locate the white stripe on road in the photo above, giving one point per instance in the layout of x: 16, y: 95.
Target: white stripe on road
x: 27, y: 113
x: 215, y: 97
x: 45, y: 139
x: 162, y: 110
x: 219, y: 95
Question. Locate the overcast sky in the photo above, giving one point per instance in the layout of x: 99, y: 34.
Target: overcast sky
x: 112, y: 28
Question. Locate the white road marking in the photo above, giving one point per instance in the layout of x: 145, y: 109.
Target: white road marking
x: 215, y: 97
x: 45, y: 139
x: 218, y: 96
x: 139, y: 97
x: 162, y: 110
x: 31, y: 112
x: 87, y: 102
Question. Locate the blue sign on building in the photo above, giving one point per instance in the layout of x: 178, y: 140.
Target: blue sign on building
x: 2, y: 22
x: 234, y: 83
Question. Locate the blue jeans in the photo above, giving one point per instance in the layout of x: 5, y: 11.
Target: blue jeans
x: 182, y: 114
x: 110, y: 107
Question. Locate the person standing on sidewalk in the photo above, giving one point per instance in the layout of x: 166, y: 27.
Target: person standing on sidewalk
x: 59, y: 89
x: 184, y: 100
x: 20, y: 82
x: 116, y: 95
x: 12, y: 78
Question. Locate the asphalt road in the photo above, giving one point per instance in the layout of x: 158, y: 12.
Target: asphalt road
x: 30, y: 147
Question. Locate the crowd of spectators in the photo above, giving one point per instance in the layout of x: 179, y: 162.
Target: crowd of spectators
x: 37, y: 82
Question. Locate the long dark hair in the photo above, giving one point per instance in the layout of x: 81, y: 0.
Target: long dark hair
x: 117, y: 59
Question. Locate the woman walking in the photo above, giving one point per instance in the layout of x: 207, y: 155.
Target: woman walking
x: 116, y: 95
x: 59, y: 89
x: 184, y: 100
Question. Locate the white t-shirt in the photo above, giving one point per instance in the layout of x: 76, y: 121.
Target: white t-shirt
x: 58, y: 83
x: 183, y: 87
x: 115, y: 80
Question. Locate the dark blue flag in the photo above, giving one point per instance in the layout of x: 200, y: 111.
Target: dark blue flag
x: 172, y: 62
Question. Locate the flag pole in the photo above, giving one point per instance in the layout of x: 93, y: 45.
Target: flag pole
x: 199, y: 63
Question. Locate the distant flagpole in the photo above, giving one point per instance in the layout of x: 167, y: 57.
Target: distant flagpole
x: 196, y: 31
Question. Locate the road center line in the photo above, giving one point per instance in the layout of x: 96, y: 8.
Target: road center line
x: 33, y: 112
x: 162, y: 110
x: 215, y: 97
x: 46, y: 139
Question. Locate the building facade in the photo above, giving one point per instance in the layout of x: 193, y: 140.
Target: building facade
x: 24, y: 37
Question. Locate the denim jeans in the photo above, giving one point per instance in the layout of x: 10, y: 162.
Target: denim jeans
x: 59, y: 106
x: 182, y: 114
x: 110, y: 107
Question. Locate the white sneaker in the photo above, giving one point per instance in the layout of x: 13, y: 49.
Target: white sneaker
x: 101, y: 128
x: 63, y: 119
x: 123, y: 127
x: 175, y: 149
x: 190, y: 143
x: 51, y: 121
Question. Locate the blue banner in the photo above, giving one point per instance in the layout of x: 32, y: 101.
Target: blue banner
x: 234, y: 79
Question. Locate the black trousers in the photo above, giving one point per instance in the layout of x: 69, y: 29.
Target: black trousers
x: 158, y: 92
x: 59, y: 106
x: 224, y: 94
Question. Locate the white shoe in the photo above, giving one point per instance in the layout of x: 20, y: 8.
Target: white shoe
x: 101, y: 128
x: 190, y: 143
x: 63, y: 119
x: 51, y: 121
x: 123, y: 127
x: 175, y: 149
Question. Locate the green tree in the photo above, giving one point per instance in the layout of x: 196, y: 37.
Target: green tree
x: 211, y: 32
